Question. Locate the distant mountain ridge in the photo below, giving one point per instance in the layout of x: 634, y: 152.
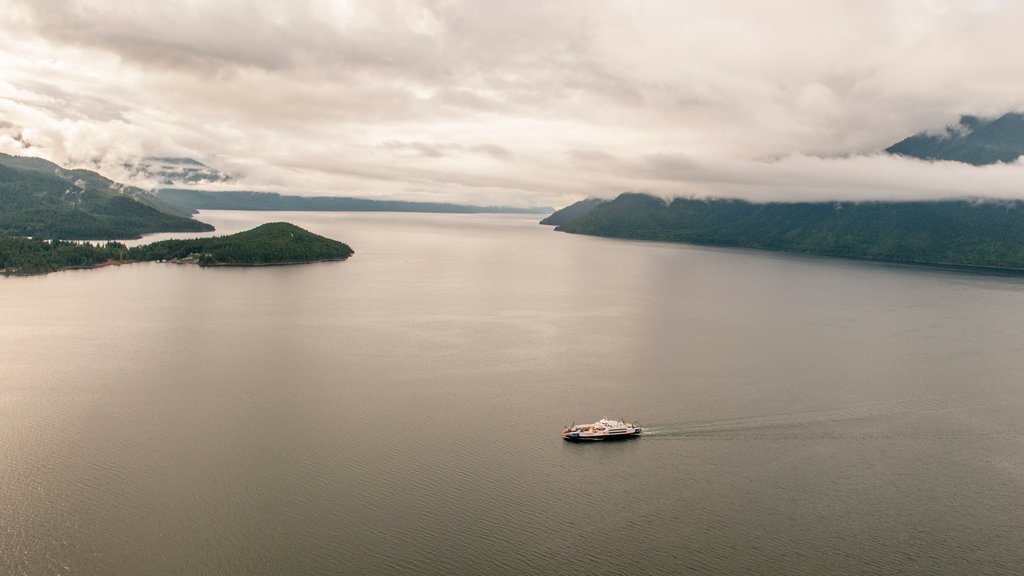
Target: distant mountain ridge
x: 244, y: 200
x: 973, y: 141
x: 174, y: 171
x: 41, y: 199
x: 980, y: 234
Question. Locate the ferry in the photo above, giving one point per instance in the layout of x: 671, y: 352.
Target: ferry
x: 603, y: 429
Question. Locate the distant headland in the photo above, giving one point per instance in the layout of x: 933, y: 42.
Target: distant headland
x: 190, y: 199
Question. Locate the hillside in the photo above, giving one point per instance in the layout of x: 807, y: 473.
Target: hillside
x: 974, y: 141
x: 40, y: 199
x: 273, y: 243
x: 954, y: 232
x: 240, y: 200
x: 269, y: 244
x: 572, y: 212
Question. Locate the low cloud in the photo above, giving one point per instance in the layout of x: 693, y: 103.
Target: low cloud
x: 855, y: 178
x: 442, y: 150
x: 516, y: 103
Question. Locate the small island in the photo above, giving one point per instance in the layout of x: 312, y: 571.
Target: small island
x: 272, y: 244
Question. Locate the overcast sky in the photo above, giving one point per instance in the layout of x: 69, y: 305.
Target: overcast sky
x: 516, y: 102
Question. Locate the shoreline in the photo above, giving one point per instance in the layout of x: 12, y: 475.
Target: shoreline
x: 8, y: 273
x: 976, y: 269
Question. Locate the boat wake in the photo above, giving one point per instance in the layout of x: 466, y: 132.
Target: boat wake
x: 803, y: 423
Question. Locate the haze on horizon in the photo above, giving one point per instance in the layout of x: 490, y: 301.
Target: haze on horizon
x: 516, y: 103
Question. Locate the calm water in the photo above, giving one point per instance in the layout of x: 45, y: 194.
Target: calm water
x: 399, y: 413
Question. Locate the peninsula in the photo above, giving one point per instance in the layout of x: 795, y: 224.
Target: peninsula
x: 270, y: 244
x: 983, y: 234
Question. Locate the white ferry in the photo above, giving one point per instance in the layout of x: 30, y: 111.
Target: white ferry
x: 603, y: 429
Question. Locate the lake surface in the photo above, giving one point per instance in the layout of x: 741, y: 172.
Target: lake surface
x: 400, y: 412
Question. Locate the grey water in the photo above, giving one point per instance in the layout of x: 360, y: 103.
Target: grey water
x: 400, y: 412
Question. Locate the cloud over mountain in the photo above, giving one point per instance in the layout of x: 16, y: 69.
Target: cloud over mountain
x: 515, y: 102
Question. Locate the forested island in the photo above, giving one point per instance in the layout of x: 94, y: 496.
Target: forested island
x: 972, y: 233
x: 269, y: 244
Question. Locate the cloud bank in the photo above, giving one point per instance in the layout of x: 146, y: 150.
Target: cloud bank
x: 516, y: 102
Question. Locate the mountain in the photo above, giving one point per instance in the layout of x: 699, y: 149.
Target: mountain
x: 172, y: 171
x: 572, y: 212
x: 238, y: 200
x: 984, y: 234
x: 39, y: 198
x: 973, y: 140
x: 269, y: 244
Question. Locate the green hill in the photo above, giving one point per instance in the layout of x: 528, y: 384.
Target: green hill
x: 40, y: 199
x: 269, y: 244
x: 273, y: 243
x: 986, y: 234
x: 974, y: 141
